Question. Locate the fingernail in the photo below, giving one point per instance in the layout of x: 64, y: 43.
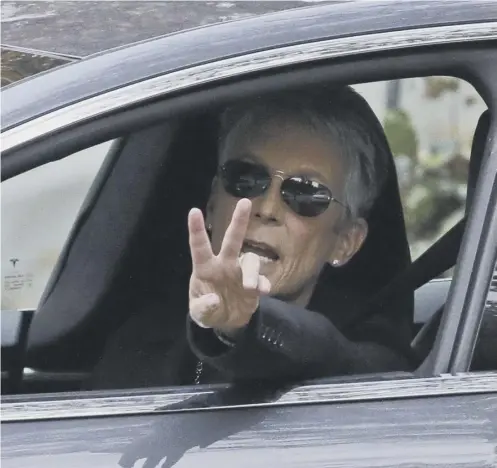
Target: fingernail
x: 195, y: 211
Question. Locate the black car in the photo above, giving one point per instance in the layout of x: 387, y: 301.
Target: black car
x: 122, y: 137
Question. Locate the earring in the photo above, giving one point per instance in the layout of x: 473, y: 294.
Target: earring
x: 335, y: 263
x: 209, y: 227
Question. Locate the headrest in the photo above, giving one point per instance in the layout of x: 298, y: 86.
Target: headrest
x: 385, y: 252
x: 92, y: 284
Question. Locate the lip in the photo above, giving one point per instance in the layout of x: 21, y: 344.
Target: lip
x: 262, y: 249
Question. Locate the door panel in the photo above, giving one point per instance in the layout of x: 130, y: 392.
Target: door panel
x: 451, y: 431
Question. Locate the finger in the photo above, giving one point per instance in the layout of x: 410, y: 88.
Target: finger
x: 235, y: 234
x: 250, y: 264
x: 264, y: 285
x: 152, y: 461
x: 201, y: 309
x: 200, y: 245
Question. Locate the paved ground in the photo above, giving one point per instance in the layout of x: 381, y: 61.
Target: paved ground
x: 82, y: 27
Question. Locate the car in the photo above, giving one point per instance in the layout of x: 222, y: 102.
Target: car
x: 132, y: 131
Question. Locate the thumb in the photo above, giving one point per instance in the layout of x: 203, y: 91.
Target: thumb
x: 264, y: 285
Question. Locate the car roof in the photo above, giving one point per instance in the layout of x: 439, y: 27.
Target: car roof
x: 82, y: 28
x: 125, y: 65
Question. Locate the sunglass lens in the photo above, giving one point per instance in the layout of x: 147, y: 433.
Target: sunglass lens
x: 243, y: 179
x: 305, y: 197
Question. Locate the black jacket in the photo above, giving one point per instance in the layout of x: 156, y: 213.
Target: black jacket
x: 287, y: 341
x: 282, y: 341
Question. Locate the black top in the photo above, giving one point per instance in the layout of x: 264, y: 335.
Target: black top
x: 285, y: 341
x: 282, y: 342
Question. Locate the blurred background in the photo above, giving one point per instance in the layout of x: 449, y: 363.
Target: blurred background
x: 429, y: 123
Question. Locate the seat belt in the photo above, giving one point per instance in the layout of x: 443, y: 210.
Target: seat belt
x: 436, y: 260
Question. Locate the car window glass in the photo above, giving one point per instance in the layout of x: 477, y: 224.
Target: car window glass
x: 39, y: 208
x: 430, y: 123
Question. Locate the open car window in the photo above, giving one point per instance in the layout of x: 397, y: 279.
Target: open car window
x: 431, y: 156
x: 130, y: 253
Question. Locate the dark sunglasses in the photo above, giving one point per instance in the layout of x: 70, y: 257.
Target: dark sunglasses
x: 243, y: 179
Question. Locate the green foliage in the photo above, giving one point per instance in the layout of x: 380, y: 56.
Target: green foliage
x: 400, y: 133
x: 436, y: 86
x: 429, y: 186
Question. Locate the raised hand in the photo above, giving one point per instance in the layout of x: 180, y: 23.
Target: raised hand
x: 224, y: 288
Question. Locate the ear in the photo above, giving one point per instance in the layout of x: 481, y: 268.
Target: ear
x: 349, y: 241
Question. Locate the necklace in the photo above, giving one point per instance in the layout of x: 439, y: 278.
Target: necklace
x: 198, y: 372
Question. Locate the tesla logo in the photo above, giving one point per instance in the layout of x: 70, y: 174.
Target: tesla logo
x: 14, y: 261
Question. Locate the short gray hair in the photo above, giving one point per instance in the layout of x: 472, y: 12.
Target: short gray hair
x: 343, y: 117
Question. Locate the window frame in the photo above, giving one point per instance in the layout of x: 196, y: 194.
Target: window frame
x: 88, y: 116
x: 164, y: 400
x: 479, y: 242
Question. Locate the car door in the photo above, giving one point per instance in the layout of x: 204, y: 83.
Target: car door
x: 444, y: 417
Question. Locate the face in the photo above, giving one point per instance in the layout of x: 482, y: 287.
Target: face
x: 293, y: 248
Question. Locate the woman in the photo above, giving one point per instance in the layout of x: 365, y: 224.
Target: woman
x: 297, y: 176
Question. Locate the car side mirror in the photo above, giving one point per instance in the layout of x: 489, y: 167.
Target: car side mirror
x: 15, y: 327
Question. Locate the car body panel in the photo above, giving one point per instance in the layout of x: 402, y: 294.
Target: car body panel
x: 82, y: 28
x: 456, y: 431
x: 127, y: 65
x: 321, y: 391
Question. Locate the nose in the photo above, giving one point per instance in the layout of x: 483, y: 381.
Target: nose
x: 268, y: 207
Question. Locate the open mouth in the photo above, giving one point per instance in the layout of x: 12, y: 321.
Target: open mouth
x: 265, y: 252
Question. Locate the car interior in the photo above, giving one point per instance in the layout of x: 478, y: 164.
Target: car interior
x: 139, y: 245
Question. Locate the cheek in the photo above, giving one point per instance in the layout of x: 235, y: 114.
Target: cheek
x: 312, y: 240
x: 301, y: 233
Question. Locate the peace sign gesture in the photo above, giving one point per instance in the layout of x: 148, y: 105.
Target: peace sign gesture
x: 224, y: 288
